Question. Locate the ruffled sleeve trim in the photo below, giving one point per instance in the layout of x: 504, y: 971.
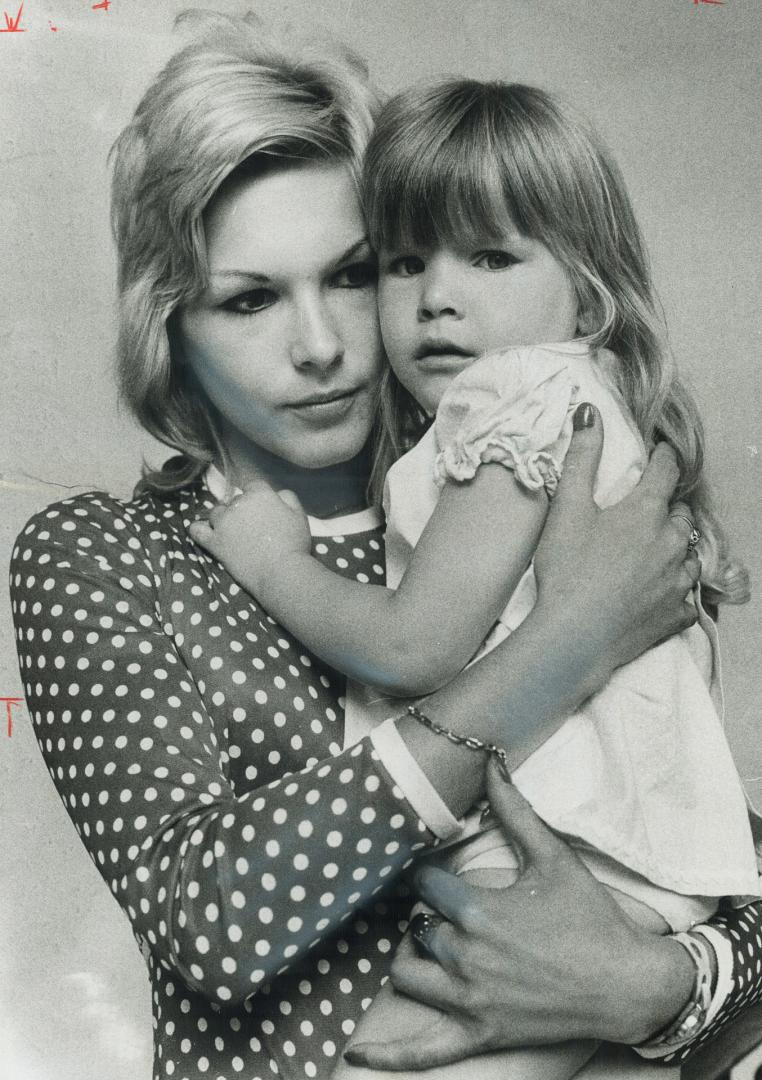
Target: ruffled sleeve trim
x: 513, y: 407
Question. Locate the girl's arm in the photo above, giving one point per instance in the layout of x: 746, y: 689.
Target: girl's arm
x: 218, y: 879
x: 140, y: 767
x: 407, y: 642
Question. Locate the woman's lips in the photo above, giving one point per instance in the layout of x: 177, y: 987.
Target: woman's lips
x: 325, y: 408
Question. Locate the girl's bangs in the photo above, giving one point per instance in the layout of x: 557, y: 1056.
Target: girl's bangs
x: 445, y: 193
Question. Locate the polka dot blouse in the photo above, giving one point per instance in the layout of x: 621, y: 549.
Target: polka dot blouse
x: 198, y: 749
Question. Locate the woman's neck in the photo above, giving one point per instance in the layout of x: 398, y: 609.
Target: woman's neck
x: 324, y: 493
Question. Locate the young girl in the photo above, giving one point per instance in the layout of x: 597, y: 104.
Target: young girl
x: 513, y: 285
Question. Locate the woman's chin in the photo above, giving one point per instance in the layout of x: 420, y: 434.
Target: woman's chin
x: 329, y: 456
x: 328, y: 451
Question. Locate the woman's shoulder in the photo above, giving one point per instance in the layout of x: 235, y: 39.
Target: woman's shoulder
x: 96, y: 521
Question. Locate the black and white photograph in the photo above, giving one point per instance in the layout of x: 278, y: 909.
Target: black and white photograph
x: 310, y: 311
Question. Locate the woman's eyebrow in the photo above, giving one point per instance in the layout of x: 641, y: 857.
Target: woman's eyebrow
x: 250, y: 275
x: 352, y: 250
x: 253, y: 275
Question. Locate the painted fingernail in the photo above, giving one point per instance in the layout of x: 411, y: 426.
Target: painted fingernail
x: 584, y: 416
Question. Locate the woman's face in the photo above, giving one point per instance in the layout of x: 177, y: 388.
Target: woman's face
x: 285, y: 339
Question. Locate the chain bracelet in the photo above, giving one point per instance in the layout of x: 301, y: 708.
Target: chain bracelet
x: 469, y: 741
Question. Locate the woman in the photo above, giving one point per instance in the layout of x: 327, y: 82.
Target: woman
x: 199, y: 751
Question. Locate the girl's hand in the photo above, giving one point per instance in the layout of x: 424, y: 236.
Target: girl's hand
x: 255, y: 534
x: 620, y: 576
x: 547, y: 959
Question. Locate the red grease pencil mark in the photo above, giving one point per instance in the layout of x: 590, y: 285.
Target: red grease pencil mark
x: 697, y: 2
x: 54, y: 28
x: 103, y: 6
x: 9, y: 703
x: 12, y: 27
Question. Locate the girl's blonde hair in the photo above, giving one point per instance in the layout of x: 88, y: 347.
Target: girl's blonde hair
x: 234, y: 99
x: 461, y: 160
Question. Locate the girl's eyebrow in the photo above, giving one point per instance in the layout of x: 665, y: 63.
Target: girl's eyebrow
x: 253, y: 275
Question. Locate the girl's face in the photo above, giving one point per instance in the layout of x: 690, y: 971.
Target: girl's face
x: 285, y: 340
x: 440, y: 308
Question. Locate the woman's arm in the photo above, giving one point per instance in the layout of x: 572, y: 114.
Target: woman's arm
x: 218, y: 881
x: 736, y: 935
x: 208, y: 874
x: 222, y: 881
x: 408, y: 642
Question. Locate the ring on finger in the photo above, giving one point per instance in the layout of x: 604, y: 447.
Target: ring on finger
x: 422, y: 928
x: 695, y: 534
x: 693, y: 539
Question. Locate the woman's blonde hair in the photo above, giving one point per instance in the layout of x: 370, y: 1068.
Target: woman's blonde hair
x: 463, y: 159
x: 234, y: 98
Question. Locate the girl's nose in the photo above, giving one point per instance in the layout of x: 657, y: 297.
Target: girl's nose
x: 316, y: 344
x: 438, y: 295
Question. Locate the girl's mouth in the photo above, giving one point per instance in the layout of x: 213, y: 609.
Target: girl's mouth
x: 436, y: 348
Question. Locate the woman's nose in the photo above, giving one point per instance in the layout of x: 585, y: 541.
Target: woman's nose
x: 316, y: 343
x: 438, y: 295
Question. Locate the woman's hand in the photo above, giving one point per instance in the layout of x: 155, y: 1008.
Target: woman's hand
x: 622, y: 576
x: 548, y: 959
x: 255, y: 534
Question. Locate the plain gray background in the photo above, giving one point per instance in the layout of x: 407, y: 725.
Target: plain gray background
x: 673, y: 85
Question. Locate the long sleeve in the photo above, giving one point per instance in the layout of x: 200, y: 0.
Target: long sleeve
x: 226, y: 874
x: 736, y: 936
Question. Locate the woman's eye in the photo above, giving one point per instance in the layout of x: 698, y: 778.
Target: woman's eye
x: 251, y: 302
x: 406, y: 265
x: 496, y: 260
x: 357, y: 276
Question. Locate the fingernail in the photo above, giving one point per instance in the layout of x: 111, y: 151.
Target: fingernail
x: 584, y: 416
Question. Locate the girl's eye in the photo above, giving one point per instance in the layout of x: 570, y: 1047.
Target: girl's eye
x: 496, y: 260
x: 406, y: 265
x: 251, y: 302
x: 356, y: 276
